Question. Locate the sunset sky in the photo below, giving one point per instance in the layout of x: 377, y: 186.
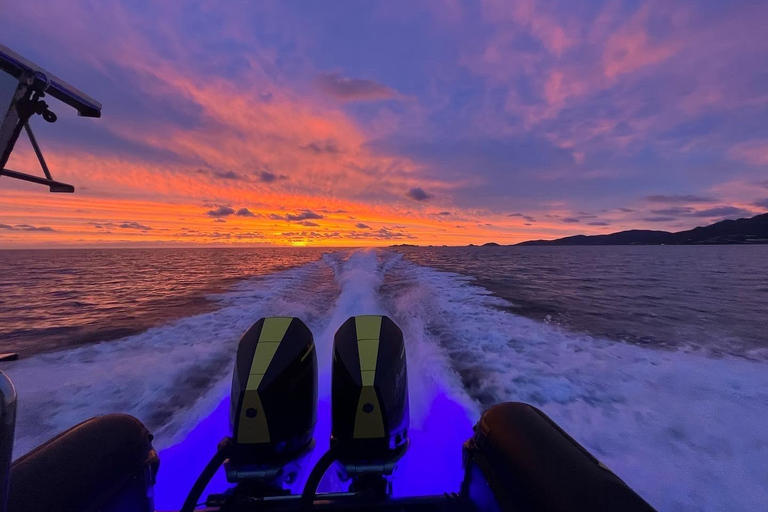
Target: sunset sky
x: 375, y: 123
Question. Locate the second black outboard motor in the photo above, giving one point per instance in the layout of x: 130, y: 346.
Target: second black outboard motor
x: 369, y: 399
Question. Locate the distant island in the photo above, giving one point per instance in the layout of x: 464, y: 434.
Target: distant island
x: 742, y: 231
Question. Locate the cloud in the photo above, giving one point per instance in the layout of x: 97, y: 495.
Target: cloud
x: 321, y: 147
x: 219, y: 220
x: 627, y: 210
x: 297, y: 217
x: 675, y: 210
x: 633, y: 46
x: 418, y: 194
x: 443, y: 214
x: 134, y: 225
x: 570, y: 220
x: 225, y: 175
x: 308, y: 223
x: 523, y: 216
x: 26, y: 227
x: 718, y: 211
x: 360, y: 225
x: 679, y: 199
x: 723, y: 211
x: 221, y: 211
x: 762, y: 203
x: 598, y: 223
x: 353, y: 89
x: 753, y: 152
x: 658, y: 219
x: 270, y: 177
x: 244, y: 212
x: 248, y: 109
x: 305, y: 215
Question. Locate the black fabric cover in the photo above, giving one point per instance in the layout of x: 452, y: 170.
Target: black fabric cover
x: 104, y: 463
x: 531, y: 464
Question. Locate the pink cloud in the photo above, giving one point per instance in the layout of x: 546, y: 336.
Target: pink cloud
x: 753, y: 152
x: 632, y: 47
x: 529, y: 16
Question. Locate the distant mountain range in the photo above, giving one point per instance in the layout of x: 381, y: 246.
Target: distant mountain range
x: 742, y: 231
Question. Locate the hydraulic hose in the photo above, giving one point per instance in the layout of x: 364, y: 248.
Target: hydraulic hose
x: 202, y: 481
x: 317, y: 473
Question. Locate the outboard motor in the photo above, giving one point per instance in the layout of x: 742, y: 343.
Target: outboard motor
x: 273, y: 411
x: 369, y: 399
x: 274, y: 399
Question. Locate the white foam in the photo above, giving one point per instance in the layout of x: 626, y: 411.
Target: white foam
x: 687, y: 431
x: 169, y: 376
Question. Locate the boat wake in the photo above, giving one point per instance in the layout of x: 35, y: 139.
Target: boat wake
x: 685, y: 430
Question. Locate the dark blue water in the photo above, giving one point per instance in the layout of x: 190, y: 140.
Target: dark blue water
x: 713, y: 297
x: 55, y: 299
x: 652, y: 357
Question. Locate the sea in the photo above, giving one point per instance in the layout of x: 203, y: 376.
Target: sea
x: 655, y: 358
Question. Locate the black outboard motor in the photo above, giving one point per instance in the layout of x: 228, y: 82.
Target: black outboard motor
x: 369, y: 398
x: 273, y: 411
x: 274, y: 400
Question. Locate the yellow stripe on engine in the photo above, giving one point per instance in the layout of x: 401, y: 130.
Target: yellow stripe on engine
x: 252, y: 426
x: 368, y: 424
x: 309, y: 351
x: 368, y: 327
x: 274, y: 328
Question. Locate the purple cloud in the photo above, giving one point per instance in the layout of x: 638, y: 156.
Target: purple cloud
x: 419, y: 194
x: 221, y: 211
x: 679, y: 199
x: 270, y: 177
x: 244, y: 212
x: 523, y: 216
x: 723, y: 211
x: 26, y: 227
x: 134, y: 225
x: 297, y: 217
x: 353, y: 89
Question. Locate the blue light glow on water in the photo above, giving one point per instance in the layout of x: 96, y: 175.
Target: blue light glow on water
x: 433, y: 462
x: 181, y: 464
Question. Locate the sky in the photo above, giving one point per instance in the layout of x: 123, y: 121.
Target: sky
x: 352, y: 123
